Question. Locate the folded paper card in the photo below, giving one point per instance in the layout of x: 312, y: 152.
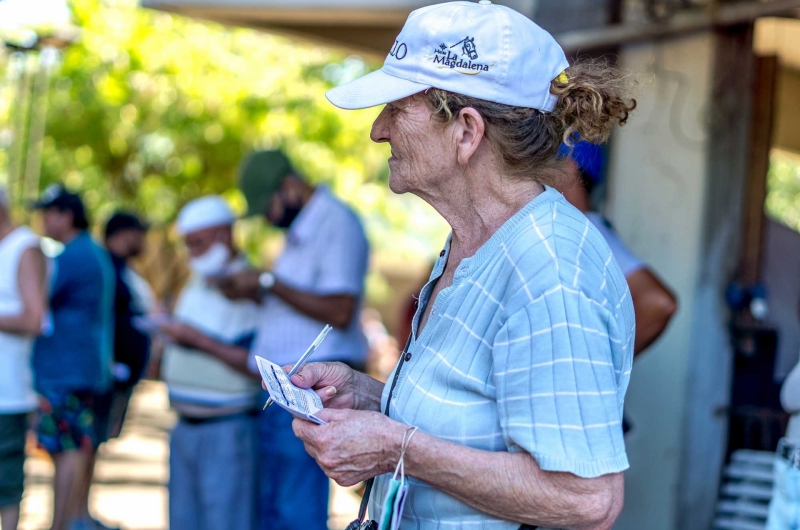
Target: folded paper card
x: 301, y: 402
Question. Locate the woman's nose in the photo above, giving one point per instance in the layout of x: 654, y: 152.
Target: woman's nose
x: 380, y: 128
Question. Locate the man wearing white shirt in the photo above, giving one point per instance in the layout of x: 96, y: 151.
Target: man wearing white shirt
x: 22, y: 304
x: 213, y: 450
x: 318, y: 279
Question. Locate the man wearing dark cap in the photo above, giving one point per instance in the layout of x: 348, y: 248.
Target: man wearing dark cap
x: 318, y: 279
x: 72, y: 359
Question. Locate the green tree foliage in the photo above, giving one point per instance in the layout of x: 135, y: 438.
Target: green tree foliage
x: 149, y: 110
x: 783, y: 188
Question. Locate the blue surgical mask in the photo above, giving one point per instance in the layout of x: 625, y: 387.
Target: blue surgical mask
x: 394, y: 503
x: 395, y: 500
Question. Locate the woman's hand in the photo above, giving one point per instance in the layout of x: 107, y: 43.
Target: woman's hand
x: 333, y: 383
x: 354, y: 445
x: 339, y: 386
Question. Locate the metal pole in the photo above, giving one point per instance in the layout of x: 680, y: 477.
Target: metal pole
x: 5, y: 117
x: 39, y: 103
x: 18, y: 126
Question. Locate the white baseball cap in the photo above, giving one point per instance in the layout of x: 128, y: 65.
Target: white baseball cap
x: 202, y: 213
x: 476, y: 49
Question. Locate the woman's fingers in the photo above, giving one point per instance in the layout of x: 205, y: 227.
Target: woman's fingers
x: 322, y: 375
x: 333, y: 383
x: 326, y: 393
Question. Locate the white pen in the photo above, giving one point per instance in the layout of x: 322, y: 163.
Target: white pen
x: 303, y: 358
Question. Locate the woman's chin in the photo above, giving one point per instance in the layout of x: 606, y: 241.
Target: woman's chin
x: 397, y: 184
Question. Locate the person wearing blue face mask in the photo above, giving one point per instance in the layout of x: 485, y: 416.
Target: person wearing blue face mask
x: 318, y: 279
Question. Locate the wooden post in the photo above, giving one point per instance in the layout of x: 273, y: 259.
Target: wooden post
x: 763, y: 102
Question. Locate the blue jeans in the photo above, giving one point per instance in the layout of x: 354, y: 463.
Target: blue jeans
x: 293, y: 489
x: 212, y: 468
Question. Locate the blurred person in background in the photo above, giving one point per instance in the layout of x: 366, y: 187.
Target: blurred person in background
x: 22, y: 306
x: 125, y: 239
x: 318, y: 279
x: 784, y: 506
x: 213, y: 452
x: 72, y: 361
x: 383, y: 348
x: 653, y: 302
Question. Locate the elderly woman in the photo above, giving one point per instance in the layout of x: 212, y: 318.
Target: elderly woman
x: 520, y: 352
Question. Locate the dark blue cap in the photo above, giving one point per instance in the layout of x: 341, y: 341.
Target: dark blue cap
x: 591, y: 158
x: 56, y: 196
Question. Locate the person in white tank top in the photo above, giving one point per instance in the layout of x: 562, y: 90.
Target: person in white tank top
x: 22, y: 306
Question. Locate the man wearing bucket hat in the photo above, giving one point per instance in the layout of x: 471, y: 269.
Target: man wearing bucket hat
x: 318, y: 279
x: 505, y: 410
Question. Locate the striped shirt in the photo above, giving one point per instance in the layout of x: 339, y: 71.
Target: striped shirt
x: 530, y: 349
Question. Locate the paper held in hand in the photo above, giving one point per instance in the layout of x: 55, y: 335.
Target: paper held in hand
x: 301, y: 402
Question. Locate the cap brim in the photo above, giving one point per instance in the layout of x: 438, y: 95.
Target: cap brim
x: 371, y: 90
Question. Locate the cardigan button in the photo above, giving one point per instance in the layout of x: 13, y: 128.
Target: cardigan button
x: 408, y: 356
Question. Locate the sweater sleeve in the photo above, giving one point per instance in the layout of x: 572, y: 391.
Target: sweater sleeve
x: 558, y: 390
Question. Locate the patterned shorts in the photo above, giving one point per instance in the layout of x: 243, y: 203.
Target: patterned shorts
x: 66, y: 421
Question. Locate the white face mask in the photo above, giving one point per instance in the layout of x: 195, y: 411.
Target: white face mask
x: 212, y: 263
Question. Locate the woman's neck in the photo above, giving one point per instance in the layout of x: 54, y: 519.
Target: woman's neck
x: 476, y: 206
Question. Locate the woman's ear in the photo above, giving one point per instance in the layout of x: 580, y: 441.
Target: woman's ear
x: 469, y: 129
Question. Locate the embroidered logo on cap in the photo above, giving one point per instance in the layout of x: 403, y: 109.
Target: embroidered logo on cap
x: 468, y: 47
x: 443, y: 57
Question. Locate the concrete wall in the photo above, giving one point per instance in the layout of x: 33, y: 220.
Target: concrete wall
x: 657, y: 193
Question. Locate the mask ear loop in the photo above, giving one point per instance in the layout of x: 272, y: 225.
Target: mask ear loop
x: 401, y: 466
